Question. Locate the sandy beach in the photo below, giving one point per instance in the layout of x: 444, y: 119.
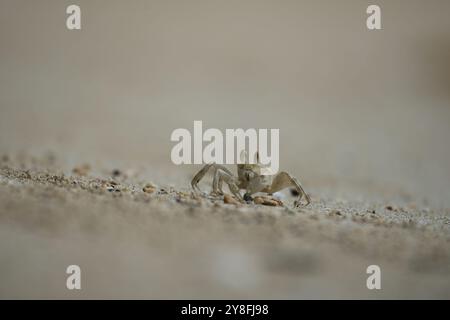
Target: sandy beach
x: 86, y: 176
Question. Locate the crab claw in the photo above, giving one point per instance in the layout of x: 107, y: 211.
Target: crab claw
x: 298, y: 203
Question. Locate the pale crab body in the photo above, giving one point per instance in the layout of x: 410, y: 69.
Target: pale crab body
x: 250, y: 179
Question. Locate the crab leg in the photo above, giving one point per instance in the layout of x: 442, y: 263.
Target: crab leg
x: 221, y: 174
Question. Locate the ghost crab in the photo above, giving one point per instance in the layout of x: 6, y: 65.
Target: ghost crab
x: 251, y: 180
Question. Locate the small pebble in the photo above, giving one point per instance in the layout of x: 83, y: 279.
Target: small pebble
x: 82, y: 170
x: 258, y: 200
x: 230, y: 200
x: 270, y: 202
x: 163, y: 191
x: 149, y: 188
x: 266, y: 201
x: 335, y: 213
x: 116, y: 173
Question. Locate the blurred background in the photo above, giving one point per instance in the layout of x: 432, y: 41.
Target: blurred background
x: 362, y: 114
x: 350, y: 103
